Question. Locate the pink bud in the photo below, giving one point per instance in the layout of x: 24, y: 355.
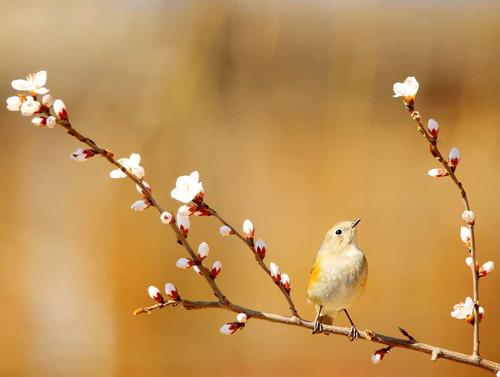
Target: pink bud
x: 203, y: 250
x: 172, y: 292
x: 39, y: 121
x: 60, y: 109
x: 285, y: 282
x: 438, y: 172
x: 454, y: 157
x: 260, y: 248
x: 230, y: 328
x: 248, y: 229
x: 465, y: 234
x: 166, y: 217
x: 183, y: 224
x: 275, y: 272
x: 225, y: 231
x: 140, y: 205
x: 469, y: 217
x: 82, y: 154
x: 486, y: 268
x: 47, y: 100
x: 241, y: 318
x: 216, y: 269
x: 184, y: 263
x: 433, y: 128
x: 155, y: 294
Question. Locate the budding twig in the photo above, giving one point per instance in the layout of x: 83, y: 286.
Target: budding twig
x: 415, y: 115
x: 250, y: 244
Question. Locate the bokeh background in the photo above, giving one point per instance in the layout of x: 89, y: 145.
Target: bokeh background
x: 286, y: 109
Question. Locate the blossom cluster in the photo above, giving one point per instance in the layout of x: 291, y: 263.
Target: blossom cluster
x: 203, y: 250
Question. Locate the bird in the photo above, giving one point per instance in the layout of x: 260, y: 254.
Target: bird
x: 338, y: 276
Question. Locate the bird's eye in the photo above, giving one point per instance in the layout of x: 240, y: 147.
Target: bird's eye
x: 338, y: 232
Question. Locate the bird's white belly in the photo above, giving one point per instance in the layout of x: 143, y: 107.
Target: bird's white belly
x: 341, y: 282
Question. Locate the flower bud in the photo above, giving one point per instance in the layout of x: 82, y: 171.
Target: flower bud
x: 60, y: 109
x: 486, y: 268
x: 197, y: 270
x: 285, y: 282
x: 469, y: 217
x: 465, y: 234
x: 230, y: 328
x: 14, y: 103
x: 216, y: 269
x: 378, y: 355
x: 166, y: 217
x: 203, y: 250
x: 142, y: 191
x: 183, y: 224
x: 225, y: 231
x: 47, y: 100
x: 438, y: 172
x: 39, y: 121
x: 469, y: 261
x: 241, y: 318
x: 275, y: 272
x: 433, y: 128
x: 155, y: 294
x: 172, y: 292
x: 51, y: 122
x: 454, y: 157
x: 186, y: 210
x: 260, y: 248
x: 82, y: 154
x: 140, y: 205
x: 248, y: 229
x: 184, y: 263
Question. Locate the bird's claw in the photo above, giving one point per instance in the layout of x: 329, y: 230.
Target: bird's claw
x: 353, y: 333
x: 318, y: 327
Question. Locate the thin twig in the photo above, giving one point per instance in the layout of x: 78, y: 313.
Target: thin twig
x: 415, y: 115
x: 367, y: 335
x: 250, y: 244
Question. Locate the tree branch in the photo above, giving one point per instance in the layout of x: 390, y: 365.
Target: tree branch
x: 367, y: 335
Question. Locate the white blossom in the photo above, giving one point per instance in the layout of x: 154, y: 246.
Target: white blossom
x: 407, y: 88
x: 131, y: 164
x: 14, y: 103
x: 30, y: 106
x: 140, y: 205
x: 34, y: 83
x: 187, y: 188
x: 203, y: 250
x: 463, y: 310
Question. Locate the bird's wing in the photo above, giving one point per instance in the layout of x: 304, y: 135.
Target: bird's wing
x: 315, y: 271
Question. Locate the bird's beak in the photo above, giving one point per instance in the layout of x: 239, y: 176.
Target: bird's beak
x: 356, y: 222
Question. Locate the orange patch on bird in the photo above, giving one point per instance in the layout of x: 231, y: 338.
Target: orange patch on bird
x: 315, y: 271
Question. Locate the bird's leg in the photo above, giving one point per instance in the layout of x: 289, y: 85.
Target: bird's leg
x: 318, y: 326
x: 353, y: 333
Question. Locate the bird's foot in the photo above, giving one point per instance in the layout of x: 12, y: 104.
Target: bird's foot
x: 353, y: 333
x: 318, y: 327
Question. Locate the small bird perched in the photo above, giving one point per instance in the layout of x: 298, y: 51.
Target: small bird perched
x: 338, y: 275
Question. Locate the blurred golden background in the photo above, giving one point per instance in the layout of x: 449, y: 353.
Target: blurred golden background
x: 286, y: 109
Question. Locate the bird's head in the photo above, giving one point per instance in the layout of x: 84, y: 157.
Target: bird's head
x: 342, y: 235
